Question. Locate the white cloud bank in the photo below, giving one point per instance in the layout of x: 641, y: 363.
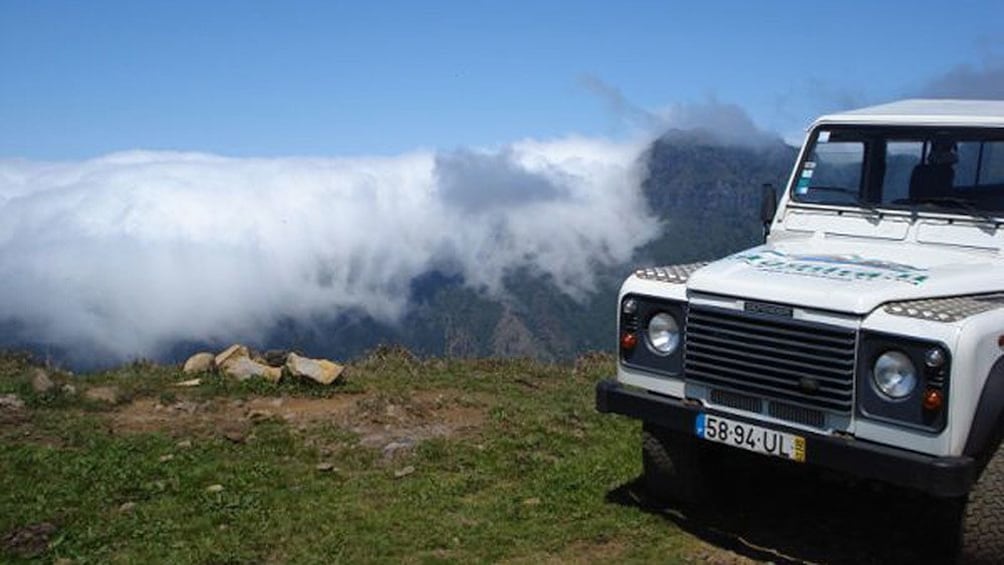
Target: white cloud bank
x: 129, y: 253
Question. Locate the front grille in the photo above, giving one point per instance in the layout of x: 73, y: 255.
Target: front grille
x: 799, y: 414
x: 735, y: 400
x: 801, y: 363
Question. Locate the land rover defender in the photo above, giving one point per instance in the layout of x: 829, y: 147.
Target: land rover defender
x: 865, y: 336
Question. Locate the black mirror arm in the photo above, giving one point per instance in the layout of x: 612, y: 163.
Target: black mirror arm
x: 768, y: 207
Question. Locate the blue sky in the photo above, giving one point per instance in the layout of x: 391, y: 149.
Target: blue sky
x: 81, y: 79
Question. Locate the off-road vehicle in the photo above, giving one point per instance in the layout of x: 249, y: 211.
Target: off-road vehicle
x: 865, y: 336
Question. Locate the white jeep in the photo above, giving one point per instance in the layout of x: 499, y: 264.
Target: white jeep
x: 865, y: 336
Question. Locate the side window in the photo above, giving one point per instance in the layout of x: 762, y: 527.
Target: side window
x: 901, y: 158
x: 965, y: 169
x: 992, y: 163
x: 832, y: 173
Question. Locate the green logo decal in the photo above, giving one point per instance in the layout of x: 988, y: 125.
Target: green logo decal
x: 837, y: 267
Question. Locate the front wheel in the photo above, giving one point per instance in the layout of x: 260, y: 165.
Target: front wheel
x: 672, y: 464
x: 982, y: 516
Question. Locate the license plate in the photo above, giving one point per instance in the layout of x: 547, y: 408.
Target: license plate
x: 750, y: 437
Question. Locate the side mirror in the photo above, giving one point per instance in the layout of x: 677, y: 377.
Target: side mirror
x: 768, y: 206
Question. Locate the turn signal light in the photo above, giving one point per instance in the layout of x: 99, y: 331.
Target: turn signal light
x: 629, y: 341
x: 933, y: 400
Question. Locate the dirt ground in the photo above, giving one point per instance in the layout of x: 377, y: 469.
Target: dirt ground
x: 381, y: 421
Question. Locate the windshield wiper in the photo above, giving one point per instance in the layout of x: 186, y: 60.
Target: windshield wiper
x: 963, y: 204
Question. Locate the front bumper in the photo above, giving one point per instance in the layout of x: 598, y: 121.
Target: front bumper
x: 939, y: 476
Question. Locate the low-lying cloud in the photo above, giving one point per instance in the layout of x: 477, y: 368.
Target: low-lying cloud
x: 127, y: 254
x: 985, y: 81
x: 720, y: 123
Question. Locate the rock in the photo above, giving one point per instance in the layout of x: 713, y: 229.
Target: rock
x: 184, y: 444
x: 235, y: 350
x: 214, y: 488
x: 189, y: 383
x: 235, y: 435
x: 107, y: 394
x: 404, y: 472
x: 243, y: 368
x: 258, y: 415
x: 325, y: 466
x: 186, y: 406
x: 127, y: 507
x: 199, y: 363
x: 69, y: 390
x: 275, y: 357
x: 166, y: 458
x: 40, y: 381
x: 392, y: 448
x: 11, y: 402
x: 534, y: 501
x: 318, y: 370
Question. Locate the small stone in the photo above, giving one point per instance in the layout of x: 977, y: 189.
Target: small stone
x: 106, y: 394
x: 184, y: 444
x: 11, y: 402
x: 214, y: 488
x: 127, y: 507
x: 166, y: 458
x: 189, y: 383
x: 404, y: 472
x: 40, y: 381
x: 69, y: 390
x: 235, y: 435
x: 325, y: 466
x: 199, y: 363
x: 259, y: 415
x: 392, y: 448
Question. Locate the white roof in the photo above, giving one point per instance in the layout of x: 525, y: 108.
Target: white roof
x: 918, y: 112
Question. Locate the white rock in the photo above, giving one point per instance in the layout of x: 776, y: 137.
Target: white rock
x: 235, y: 350
x: 318, y: 370
x: 404, y: 472
x: 243, y: 368
x: 40, y: 381
x: 10, y: 402
x: 199, y: 363
x: 189, y: 383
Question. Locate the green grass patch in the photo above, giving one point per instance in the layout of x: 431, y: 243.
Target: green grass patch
x: 526, y: 482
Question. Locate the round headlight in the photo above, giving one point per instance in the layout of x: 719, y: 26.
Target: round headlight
x: 663, y: 334
x: 894, y: 374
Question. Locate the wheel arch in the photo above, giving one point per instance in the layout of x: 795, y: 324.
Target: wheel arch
x: 987, y: 428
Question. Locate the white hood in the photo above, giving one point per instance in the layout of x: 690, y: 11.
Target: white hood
x: 849, y: 277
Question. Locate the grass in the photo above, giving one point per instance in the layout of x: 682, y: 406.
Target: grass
x: 525, y: 480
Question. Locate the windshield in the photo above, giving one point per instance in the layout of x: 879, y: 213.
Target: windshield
x: 921, y: 169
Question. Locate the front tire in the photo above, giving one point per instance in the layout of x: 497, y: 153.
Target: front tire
x: 672, y: 464
x: 982, y: 517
